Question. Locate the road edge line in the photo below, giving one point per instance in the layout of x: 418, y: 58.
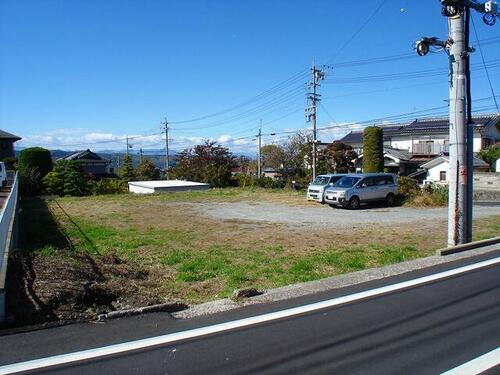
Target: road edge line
x: 239, y: 323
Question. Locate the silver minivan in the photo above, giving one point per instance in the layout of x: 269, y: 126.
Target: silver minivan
x: 315, y: 191
x: 354, y: 189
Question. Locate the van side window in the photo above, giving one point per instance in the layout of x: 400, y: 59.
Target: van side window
x: 380, y: 180
x: 389, y: 180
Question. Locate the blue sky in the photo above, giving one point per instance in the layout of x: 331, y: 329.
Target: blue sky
x: 78, y: 74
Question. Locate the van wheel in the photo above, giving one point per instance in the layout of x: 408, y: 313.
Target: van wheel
x: 390, y: 199
x: 354, y: 203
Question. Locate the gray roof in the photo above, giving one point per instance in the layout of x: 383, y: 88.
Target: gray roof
x: 425, y: 126
x: 83, y: 155
x: 5, y: 135
x: 397, y: 153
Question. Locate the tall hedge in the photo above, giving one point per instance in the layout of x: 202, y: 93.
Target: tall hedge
x: 373, y: 150
x: 35, y: 157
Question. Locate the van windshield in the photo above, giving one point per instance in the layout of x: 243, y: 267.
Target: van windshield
x: 321, y: 180
x: 347, y: 181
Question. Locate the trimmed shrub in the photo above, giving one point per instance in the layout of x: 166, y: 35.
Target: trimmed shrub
x: 373, y: 150
x: 36, y: 157
x: 30, y: 183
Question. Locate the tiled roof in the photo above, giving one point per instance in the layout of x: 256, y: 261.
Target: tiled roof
x: 85, y: 154
x: 5, y: 135
x: 422, y: 127
x: 398, y: 154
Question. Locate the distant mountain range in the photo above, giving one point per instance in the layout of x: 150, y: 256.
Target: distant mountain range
x: 116, y: 157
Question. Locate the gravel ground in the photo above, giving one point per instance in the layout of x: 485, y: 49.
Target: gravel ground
x: 324, y: 215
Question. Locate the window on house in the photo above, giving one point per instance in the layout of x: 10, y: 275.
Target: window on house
x: 442, y: 176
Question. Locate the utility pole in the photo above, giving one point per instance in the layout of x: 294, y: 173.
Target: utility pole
x: 167, y: 161
x: 314, y: 98
x: 259, y: 155
x: 140, y: 155
x: 127, y: 145
x: 461, y: 126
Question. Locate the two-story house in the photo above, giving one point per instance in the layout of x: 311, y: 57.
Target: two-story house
x: 408, y: 146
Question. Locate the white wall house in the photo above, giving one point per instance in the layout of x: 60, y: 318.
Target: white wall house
x: 429, y: 137
x: 437, y: 170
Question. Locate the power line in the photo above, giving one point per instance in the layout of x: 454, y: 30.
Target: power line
x: 484, y: 63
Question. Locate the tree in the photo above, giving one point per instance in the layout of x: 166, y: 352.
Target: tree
x: 273, y: 156
x: 33, y: 164
x: 147, y: 171
x: 127, y: 172
x: 65, y: 179
x: 36, y: 157
x: 297, y: 153
x: 339, y: 157
x: 490, y: 155
x: 373, y: 150
x: 207, y: 162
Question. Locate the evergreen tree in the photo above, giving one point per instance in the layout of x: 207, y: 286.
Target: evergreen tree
x: 373, y: 150
x: 127, y: 172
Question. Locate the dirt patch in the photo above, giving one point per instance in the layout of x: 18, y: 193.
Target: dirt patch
x: 77, y: 287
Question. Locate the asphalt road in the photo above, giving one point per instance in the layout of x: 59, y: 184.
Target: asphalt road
x: 424, y: 329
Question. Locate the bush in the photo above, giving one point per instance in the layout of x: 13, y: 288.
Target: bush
x: 66, y: 179
x: 108, y: 186
x: 430, y: 196
x: 30, y: 183
x: 36, y: 157
x: 373, y: 150
x: 408, y: 187
x: 244, y: 180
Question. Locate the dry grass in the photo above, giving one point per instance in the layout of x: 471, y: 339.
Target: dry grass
x: 195, y: 258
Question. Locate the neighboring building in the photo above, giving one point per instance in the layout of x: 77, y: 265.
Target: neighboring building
x: 408, y: 147
x: 90, y: 162
x: 395, y: 161
x: 7, y: 144
x: 272, y: 173
x: 427, y: 138
x: 437, y: 170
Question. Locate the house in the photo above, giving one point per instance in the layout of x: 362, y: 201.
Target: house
x: 429, y: 137
x: 437, y: 170
x: 395, y: 161
x: 90, y: 163
x: 7, y: 144
x: 271, y: 173
x: 409, y: 146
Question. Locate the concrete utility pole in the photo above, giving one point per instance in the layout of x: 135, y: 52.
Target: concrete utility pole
x: 167, y: 161
x: 259, y: 155
x: 140, y: 155
x: 127, y: 145
x: 461, y: 126
x: 317, y: 75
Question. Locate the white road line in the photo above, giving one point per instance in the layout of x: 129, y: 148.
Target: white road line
x: 240, y: 323
x: 477, y: 365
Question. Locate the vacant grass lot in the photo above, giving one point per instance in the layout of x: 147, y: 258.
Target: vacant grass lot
x: 186, y: 256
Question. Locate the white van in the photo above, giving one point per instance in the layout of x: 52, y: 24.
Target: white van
x: 3, y: 174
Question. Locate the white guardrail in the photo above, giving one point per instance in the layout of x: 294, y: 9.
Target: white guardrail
x: 8, y: 234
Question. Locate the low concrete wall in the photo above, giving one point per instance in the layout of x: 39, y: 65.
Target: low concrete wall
x: 486, y: 181
x: 8, y: 238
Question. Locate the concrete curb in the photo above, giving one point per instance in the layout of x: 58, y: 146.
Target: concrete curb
x: 468, y: 246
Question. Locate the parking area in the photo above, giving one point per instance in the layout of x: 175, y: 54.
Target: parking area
x: 315, y: 215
